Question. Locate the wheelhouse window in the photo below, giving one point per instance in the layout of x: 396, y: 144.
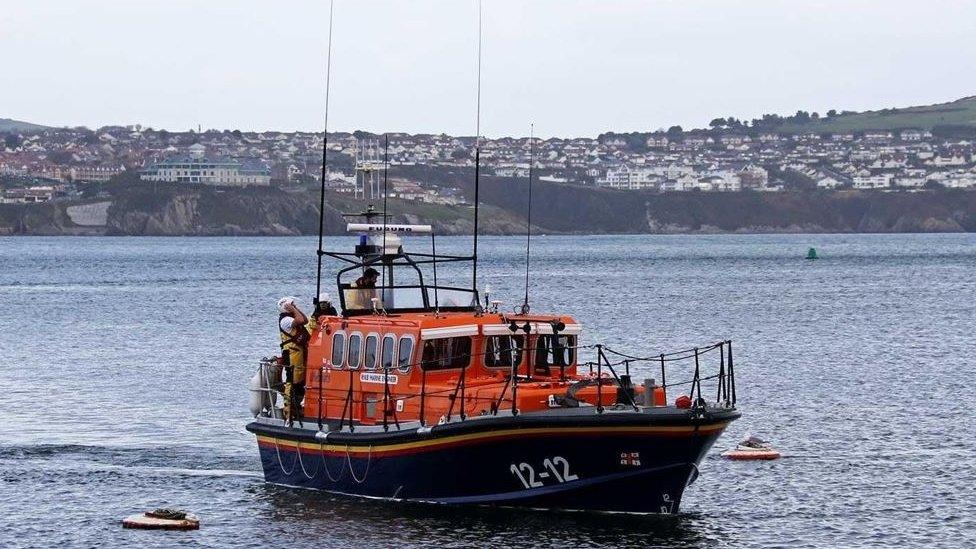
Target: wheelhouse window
x: 338, y: 349
x: 388, y: 344
x: 554, y: 351
x: 404, y: 352
x: 503, y: 351
x: 355, y: 356
x: 370, y: 354
x: 447, y: 353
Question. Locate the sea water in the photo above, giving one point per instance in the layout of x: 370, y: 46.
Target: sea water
x: 125, y: 363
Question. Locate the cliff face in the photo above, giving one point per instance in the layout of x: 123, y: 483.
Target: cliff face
x: 557, y: 208
x: 560, y: 208
x: 210, y: 213
x: 203, y: 211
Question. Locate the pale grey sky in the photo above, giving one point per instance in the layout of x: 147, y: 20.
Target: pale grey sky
x: 571, y: 67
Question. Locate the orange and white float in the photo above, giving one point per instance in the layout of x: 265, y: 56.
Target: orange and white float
x: 752, y: 448
x: 162, y: 519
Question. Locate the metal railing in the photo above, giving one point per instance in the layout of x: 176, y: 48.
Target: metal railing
x: 724, y: 377
x: 603, y: 371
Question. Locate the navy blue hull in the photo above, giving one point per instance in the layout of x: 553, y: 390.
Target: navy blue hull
x: 620, y: 468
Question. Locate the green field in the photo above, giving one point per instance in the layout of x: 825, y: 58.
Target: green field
x: 8, y: 125
x: 961, y: 112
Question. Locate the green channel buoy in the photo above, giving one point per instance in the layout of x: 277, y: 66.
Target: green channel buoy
x: 812, y: 253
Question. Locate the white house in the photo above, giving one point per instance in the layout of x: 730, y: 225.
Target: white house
x: 654, y: 142
x: 197, y: 168
x: 827, y: 182
x: 879, y: 181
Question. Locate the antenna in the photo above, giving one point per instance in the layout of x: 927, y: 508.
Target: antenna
x: 325, y: 147
x: 477, y: 162
x: 386, y: 172
x: 528, y: 219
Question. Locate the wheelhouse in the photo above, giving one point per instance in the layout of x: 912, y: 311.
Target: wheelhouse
x: 429, y: 366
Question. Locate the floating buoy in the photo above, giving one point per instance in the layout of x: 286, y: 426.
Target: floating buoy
x: 162, y: 519
x: 744, y: 454
x: 752, y: 448
x: 812, y: 253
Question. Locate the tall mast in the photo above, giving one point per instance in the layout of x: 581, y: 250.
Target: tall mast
x: 477, y: 162
x: 528, y: 220
x: 325, y: 148
x: 386, y: 173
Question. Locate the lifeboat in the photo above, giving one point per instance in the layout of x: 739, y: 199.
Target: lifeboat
x: 424, y: 392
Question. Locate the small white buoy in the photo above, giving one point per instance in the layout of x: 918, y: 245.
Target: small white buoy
x: 162, y: 519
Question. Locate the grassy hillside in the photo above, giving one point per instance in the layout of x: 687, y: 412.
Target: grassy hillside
x: 961, y: 112
x: 8, y: 125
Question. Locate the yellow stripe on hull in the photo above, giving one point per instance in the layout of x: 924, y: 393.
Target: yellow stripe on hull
x: 508, y: 433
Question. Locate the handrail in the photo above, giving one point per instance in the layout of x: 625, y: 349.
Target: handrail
x: 501, y: 397
x: 731, y: 371
x: 386, y: 397
x: 599, y: 379
x: 421, y: 298
x: 725, y: 390
x: 348, y: 403
x: 601, y: 356
x: 423, y: 394
x: 321, y: 394
x: 460, y: 385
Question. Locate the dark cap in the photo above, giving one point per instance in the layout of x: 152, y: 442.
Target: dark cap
x: 371, y: 272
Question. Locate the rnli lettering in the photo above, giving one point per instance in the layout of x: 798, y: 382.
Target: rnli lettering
x: 368, y: 377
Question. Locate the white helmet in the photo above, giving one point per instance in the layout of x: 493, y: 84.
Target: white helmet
x: 284, y: 302
x: 324, y: 298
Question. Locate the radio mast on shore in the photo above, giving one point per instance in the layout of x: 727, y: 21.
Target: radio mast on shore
x: 369, y: 165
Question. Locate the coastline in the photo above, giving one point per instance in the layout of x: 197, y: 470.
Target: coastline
x: 559, y: 209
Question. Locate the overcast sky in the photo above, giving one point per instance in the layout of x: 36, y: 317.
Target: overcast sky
x: 571, y: 67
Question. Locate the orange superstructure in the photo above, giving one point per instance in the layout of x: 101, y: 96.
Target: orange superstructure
x: 446, y: 364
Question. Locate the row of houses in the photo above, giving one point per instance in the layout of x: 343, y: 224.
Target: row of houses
x: 720, y: 160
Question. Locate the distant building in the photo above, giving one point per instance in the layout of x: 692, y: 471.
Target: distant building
x: 753, y: 177
x: 627, y: 178
x: 720, y: 181
x: 94, y: 173
x: 197, y: 168
x: 954, y: 159
x: 915, y: 135
x: 31, y: 195
x: 877, y: 136
x: 657, y: 142
x: 868, y: 181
